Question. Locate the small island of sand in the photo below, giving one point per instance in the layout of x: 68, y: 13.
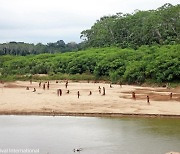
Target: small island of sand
x: 23, y: 97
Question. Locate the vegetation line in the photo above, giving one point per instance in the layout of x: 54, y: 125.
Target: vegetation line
x: 157, y: 64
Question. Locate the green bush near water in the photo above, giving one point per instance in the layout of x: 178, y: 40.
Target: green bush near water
x: 157, y: 63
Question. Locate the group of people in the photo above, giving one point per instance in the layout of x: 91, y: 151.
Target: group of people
x: 148, y: 98
x: 44, y: 85
x: 59, y: 91
x: 101, y: 91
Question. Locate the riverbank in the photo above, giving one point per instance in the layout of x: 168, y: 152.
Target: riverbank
x: 16, y: 100
x: 90, y: 114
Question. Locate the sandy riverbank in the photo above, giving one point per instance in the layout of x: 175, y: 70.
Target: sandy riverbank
x: 15, y: 99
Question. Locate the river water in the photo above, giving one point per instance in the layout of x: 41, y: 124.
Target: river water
x: 60, y: 135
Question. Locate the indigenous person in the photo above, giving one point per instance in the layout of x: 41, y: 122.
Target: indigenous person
x: 90, y: 93
x: 104, y: 91
x: 44, y: 86
x: 48, y: 85
x: 68, y: 92
x: 133, y: 95
x: 39, y: 84
x: 78, y: 93
x: 171, y: 95
x: 99, y: 89
x: 148, y: 100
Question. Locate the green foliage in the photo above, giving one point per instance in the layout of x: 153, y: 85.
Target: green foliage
x: 23, y: 49
x: 149, y: 51
x: 135, y: 72
x: 59, y: 76
x: 164, y: 69
x: 157, y: 63
x: 160, y: 26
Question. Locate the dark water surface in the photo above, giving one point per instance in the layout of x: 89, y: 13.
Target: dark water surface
x: 60, y: 135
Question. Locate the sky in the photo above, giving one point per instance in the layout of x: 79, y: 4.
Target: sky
x: 43, y: 21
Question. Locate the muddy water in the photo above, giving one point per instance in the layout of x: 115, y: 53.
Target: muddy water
x: 60, y: 135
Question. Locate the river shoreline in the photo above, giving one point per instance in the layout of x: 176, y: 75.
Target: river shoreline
x: 91, y: 114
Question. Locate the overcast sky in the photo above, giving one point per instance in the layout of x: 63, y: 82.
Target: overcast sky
x: 44, y: 21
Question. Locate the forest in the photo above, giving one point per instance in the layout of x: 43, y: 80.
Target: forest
x: 128, y: 48
x: 22, y: 48
x: 160, y: 26
x: 156, y: 63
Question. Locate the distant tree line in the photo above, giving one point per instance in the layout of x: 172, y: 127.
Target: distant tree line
x: 21, y: 48
x: 160, y: 26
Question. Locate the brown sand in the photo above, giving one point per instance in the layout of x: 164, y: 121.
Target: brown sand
x: 15, y: 99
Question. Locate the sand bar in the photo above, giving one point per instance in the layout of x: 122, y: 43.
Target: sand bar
x: 16, y: 100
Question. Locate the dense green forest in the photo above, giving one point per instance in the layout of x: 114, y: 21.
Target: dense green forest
x: 160, y: 26
x: 130, y: 48
x: 21, y: 48
x: 157, y: 63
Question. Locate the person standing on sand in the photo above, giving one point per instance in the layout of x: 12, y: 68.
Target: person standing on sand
x: 99, y: 89
x: 171, y: 95
x: 133, y: 95
x: 60, y: 92
x: 30, y: 81
x: 39, y: 84
x: 104, y: 91
x: 78, y: 93
x: 34, y: 90
x: 66, y: 85
x: 48, y: 85
x: 148, y: 100
x: 44, y: 86
x: 90, y: 93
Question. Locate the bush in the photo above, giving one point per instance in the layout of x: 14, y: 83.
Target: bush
x: 159, y: 63
x: 135, y: 72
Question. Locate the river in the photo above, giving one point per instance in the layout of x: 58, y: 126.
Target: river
x: 60, y: 135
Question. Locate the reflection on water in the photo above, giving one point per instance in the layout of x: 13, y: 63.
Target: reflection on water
x: 56, y: 135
